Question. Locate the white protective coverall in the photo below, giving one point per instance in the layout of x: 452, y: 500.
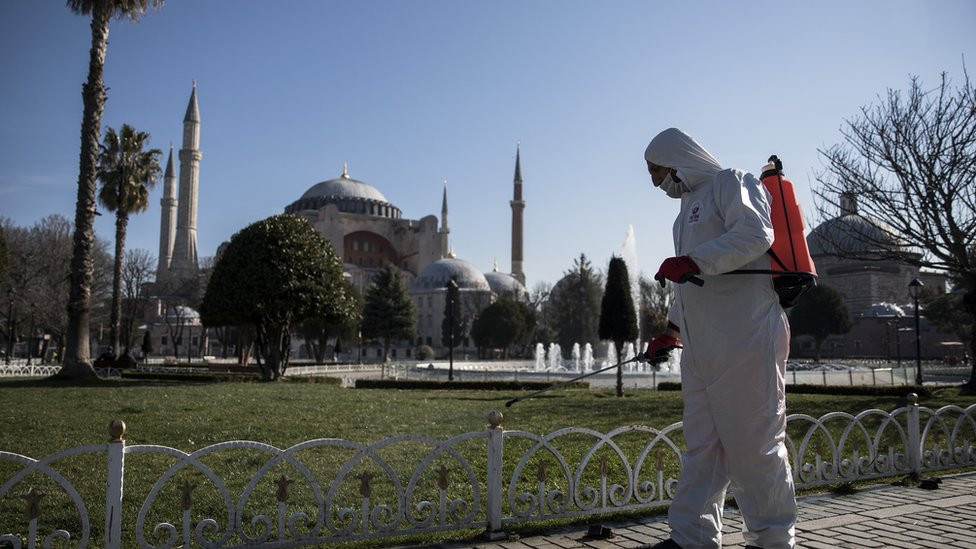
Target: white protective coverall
x: 736, y: 343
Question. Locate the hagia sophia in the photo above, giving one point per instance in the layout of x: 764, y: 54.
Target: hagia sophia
x: 367, y: 230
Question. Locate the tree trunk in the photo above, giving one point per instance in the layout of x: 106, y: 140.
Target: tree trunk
x: 620, y: 370
x: 77, y: 356
x: 276, y: 351
x: 121, y: 221
x: 969, y: 303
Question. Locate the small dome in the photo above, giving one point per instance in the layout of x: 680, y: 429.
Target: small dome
x: 852, y: 234
x: 504, y: 284
x: 182, y: 312
x: 883, y: 309
x: 436, y: 275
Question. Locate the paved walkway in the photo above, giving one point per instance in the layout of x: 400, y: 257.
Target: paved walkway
x: 883, y: 516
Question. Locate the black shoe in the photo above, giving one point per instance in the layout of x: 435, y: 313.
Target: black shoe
x: 666, y: 544
x: 753, y: 547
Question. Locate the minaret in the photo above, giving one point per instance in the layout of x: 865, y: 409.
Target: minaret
x: 444, y: 230
x: 184, y: 263
x: 518, y: 207
x: 167, y: 225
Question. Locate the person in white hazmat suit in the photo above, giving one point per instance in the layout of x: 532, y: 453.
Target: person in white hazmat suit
x: 735, y: 339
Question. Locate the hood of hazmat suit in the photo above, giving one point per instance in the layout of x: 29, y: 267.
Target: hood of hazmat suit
x: 736, y: 343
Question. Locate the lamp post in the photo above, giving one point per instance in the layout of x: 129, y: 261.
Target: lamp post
x: 898, y: 342
x: 10, y: 324
x: 451, y: 288
x: 913, y: 289
x: 30, y: 338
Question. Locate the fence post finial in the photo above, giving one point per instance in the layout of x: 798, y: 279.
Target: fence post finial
x: 495, y: 419
x: 113, y: 488
x: 116, y: 430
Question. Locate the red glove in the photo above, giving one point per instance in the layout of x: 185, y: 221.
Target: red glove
x: 660, y: 347
x: 676, y: 269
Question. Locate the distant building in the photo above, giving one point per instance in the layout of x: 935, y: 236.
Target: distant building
x: 875, y: 290
x: 367, y: 230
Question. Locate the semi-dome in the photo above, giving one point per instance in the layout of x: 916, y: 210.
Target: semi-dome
x: 436, y: 276
x: 348, y: 194
x: 504, y: 284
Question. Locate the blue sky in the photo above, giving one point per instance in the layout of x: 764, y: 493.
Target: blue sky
x: 411, y: 94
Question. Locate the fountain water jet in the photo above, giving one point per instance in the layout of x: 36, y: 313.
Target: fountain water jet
x: 555, y: 358
x: 540, y: 357
x: 611, y: 355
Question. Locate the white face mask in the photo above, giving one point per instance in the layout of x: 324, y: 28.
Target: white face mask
x: 673, y: 188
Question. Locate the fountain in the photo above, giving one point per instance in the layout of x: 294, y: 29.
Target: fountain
x: 629, y: 354
x: 576, y: 357
x: 587, y: 358
x: 628, y: 252
x: 540, y: 357
x: 555, y: 358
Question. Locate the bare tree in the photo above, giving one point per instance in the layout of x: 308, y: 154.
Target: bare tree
x: 910, y: 162
x: 655, y: 301
x: 138, y: 271
x: 40, y: 258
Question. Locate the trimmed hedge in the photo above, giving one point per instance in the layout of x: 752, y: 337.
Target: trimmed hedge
x: 853, y: 390
x: 462, y: 385
x: 224, y: 377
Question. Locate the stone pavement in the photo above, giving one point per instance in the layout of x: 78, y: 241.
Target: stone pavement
x: 881, y: 516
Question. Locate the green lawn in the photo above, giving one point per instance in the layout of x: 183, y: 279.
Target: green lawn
x: 43, y: 417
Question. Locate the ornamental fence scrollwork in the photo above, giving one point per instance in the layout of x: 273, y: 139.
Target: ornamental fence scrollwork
x: 247, y: 494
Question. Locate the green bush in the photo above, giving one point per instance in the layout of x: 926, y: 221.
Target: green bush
x: 221, y: 377
x: 425, y: 352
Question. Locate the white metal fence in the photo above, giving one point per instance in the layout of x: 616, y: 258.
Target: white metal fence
x: 480, y: 480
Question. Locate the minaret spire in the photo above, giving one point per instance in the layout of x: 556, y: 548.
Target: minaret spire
x: 184, y: 263
x: 444, y: 227
x: 167, y: 224
x: 518, y: 208
x: 444, y: 231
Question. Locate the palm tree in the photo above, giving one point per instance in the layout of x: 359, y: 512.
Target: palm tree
x: 127, y: 172
x: 77, y: 356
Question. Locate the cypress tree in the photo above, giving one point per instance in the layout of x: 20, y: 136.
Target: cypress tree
x: 618, y: 317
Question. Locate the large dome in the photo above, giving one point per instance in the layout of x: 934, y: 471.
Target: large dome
x: 348, y: 194
x: 436, y: 275
x: 345, y: 187
x: 852, y: 234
